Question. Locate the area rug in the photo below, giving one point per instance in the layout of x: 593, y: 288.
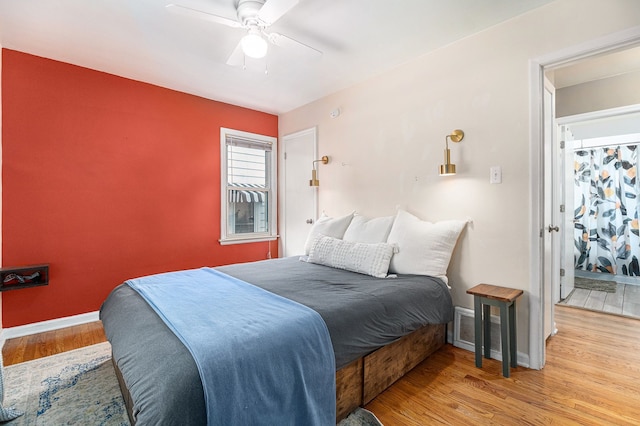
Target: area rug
x: 360, y: 417
x: 80, y: 388
x: 592, y: 284
x: 72, y: 388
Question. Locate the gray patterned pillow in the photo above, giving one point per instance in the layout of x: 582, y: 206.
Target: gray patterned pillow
x: 365, y: 258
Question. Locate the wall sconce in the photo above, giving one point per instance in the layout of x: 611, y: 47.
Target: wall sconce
x: 314, y: 173
x: 447, y: 168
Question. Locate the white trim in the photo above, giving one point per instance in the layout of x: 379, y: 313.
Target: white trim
x: 536, y: 216
x: 272, y: 209
x: 49, y: 325
x: 608, y: 43
x: 594, y: 115
x: 229, y: 241
x: 615, y: 41
x: 601, y: 114
x: 605, y: 141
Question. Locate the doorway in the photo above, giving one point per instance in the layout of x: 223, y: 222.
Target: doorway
x: 542, y: 257
x: 604, y: 208
x: 299, y: 199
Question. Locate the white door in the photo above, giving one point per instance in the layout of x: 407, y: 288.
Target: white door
x: 300, y: 199
x: 551, y: 211
x: 566, y: 181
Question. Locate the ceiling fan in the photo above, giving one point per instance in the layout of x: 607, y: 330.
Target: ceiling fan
x: 254, y: 16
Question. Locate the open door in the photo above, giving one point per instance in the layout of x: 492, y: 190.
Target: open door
x: 566, y: 183
x: 551, y: 231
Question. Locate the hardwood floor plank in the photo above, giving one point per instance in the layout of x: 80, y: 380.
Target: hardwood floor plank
x: 36, y: 346
x: 14, y: 350
x: 592, y: 377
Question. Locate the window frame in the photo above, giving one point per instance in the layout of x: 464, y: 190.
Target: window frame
x: 271, y: 189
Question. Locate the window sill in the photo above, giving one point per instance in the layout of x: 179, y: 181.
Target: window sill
x: 229, y: 241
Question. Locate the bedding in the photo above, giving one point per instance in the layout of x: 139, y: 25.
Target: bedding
x: 269, y: 324
x: 362, y: 314
x: 328, y: 226
x: 370, y: 259
x: 365, y: 230
x: 424, y: 248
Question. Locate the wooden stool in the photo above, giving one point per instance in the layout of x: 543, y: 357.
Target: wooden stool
x: 485, y: 296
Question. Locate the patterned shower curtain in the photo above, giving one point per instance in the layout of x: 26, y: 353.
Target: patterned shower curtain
x: 607, y: 200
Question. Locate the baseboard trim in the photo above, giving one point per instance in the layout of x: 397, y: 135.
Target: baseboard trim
x: 49, y: 325
x: 465, y: 343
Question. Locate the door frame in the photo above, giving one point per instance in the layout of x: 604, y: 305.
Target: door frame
x: 283, y: 178
x: 567, y: 178
x: 537, y: 66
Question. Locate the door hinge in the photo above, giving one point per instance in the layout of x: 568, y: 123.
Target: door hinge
x: 561, y: 144
x: 562, y: 272
x: 285, y: 155
x: 561, y: 208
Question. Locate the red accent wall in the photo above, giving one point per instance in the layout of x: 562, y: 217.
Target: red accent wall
x: 105, y: 179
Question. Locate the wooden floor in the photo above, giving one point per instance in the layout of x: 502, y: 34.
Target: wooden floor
x: 625, y: 301
x: 36, y: 346
x: 592, y: 377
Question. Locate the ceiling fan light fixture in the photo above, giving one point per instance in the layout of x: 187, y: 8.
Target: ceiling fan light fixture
x: 254, y: 45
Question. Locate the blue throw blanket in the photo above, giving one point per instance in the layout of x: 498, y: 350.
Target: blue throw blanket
x: 263, y: 359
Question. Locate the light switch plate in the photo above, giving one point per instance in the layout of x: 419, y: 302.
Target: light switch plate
x: 495, y: 174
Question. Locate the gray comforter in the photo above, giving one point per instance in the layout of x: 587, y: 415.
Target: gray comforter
x: 362, y: 314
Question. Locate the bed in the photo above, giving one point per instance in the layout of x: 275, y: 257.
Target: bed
x: 379, y: 327
x: 374, y: 291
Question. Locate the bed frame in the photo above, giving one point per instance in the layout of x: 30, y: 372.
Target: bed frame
x: 365, y: 378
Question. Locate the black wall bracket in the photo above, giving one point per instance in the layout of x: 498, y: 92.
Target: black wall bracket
x: 23, y: 277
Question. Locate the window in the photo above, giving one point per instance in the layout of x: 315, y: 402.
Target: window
x: 248, y: 168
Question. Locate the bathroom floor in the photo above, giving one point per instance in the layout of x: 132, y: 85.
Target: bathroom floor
x: 625, y: 301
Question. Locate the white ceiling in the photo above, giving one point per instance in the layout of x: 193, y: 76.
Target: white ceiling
x: 142, y: 40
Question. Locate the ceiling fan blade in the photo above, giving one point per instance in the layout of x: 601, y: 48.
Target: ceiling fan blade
x: 236, y: 59
x: 194, y: 13
x: 291, y: 44
x: 274, y: 9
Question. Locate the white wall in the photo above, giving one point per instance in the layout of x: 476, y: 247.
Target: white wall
x: 607, y: 93
x: 388, y: 142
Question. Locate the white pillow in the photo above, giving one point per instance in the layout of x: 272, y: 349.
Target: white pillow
x: 363, y: 230
x: 424, y: 248
x: 331, y: 227
x: 370, y: 259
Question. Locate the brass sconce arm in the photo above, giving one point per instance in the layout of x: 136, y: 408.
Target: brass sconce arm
x: 449, y: 168
x: 314, y: 173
